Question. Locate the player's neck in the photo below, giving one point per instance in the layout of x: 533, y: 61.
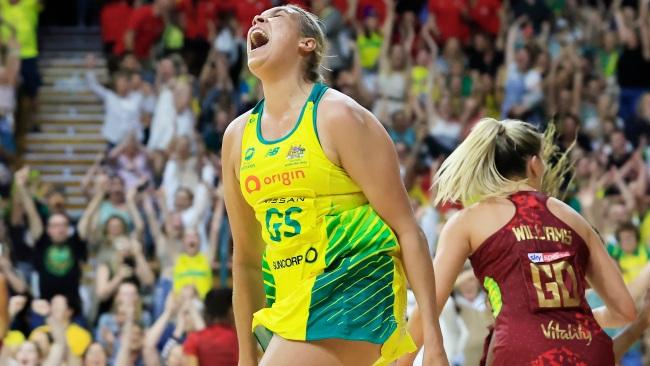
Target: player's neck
x: 282, y: 95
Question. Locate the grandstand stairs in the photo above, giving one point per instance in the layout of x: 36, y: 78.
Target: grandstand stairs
x: 69, y: 116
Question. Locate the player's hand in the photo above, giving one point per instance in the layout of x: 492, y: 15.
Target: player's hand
x: 91, y: 61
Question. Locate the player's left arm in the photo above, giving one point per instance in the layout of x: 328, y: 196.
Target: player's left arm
x: 355, y: 140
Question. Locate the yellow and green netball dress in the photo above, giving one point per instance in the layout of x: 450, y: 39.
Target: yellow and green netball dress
x: 332, y: 266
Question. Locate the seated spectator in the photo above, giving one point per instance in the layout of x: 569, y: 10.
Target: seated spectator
x: 62, y: 311
x: 217, y: 343
x: 122, y: 108
x: 192, y: 268
x: 57, y: 253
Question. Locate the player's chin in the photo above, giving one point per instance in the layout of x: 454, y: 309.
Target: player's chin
x: 262, y: 64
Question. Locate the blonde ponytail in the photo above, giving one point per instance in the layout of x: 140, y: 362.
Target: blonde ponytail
x: 485, y: 164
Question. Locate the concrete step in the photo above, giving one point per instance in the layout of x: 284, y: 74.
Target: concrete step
x: 71, y: 62
x: 71, y: 129
x: 37, y: 159
x: 72, y: 111
x: 68, y: 169
x: 63, y: 138
x: 66, y: 149
x: 51, y: 80
x: 71, y: 44
x: 80, y: 89
x: 63, y: 30
x: 66, y: 72
x: 69, y: 99
x: 71, y: 116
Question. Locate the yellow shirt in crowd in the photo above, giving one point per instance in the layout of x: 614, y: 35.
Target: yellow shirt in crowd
x: 194, y: 271
x: 78, y: 338
x: 23, y: 16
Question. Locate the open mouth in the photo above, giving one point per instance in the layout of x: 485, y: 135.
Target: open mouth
x: 259, y: 38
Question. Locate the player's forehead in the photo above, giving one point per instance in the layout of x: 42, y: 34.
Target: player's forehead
x: 278, y: 11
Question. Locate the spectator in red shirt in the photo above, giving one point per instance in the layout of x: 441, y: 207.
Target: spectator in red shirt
x: 145, y: 26
x: 451, y: 18
x: 216, y: 344
x: 246, y: 10
x: 198, y: 21
x: 114, y: 18
x: 485, y: 14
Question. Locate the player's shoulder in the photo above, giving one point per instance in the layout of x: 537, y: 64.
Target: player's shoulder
x: 236, y: 127
x: 337, y: 110
x: 233, y: 134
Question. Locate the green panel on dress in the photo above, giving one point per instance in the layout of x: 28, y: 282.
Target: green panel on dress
x: 269, y: 282
x: 353, y: 299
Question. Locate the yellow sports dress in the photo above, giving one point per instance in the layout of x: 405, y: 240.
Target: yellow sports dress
x: 331, y: 266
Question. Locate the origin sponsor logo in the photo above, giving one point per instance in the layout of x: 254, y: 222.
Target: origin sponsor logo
x: 253, y: 183
x: 547, y: 257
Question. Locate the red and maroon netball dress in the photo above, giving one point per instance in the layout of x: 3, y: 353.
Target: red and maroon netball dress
x: 533, y: 269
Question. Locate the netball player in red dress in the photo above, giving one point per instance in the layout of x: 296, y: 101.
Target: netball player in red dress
x: 534, y: 255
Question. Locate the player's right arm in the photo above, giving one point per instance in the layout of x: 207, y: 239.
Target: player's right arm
x: 602, y: 272
x: 248, y: 292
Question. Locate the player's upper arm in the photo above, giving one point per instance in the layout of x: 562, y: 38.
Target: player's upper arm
x: 363, y: 148
x: 452, y: 251
x: 248, y: 245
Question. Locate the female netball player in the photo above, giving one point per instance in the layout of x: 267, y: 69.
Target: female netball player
x: 533, y: 254
x: 320, y: 176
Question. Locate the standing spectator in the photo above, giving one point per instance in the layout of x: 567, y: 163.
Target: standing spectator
x: 633, y: 64
x: 145, y: 27
x: 199, y: 27
x: 122, y: 108
x: 394, y: 71
x: 333, y: 27
x: 22, y: 15
x: 483, y: 15
x: 124, y: 263
x: 131, y: 163
x: 534, y: 10
x: 114, y: 20
x: 217, y: 343
x: 163, y: 121
x: 9, y: 72
x: 450, y: 18
x: 246, y: 10
x: 57, y: 254
x: 523, y: 88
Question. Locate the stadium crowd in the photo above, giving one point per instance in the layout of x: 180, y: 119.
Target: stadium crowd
x: 154, y: 239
